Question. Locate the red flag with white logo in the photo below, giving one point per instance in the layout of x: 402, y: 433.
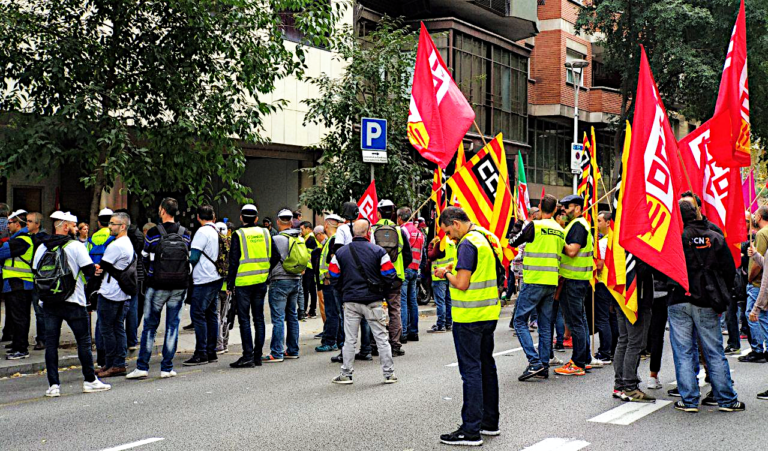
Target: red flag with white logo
x: 439, y: 115
x: 653, y: 181
x: 367, y: 204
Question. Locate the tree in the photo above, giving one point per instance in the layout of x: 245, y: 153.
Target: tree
x: 153, y: 92
x: 376, y: 83
x: 686, y: 42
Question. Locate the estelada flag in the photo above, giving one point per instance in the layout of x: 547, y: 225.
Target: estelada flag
x: 653, y: 178
x: 368, y: 204
x: 717, y: 186
x: 733, y: 101
x: 482, y: 188
x: 439, y: 115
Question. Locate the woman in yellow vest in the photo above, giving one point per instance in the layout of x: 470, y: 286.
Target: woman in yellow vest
x: 475, y: 312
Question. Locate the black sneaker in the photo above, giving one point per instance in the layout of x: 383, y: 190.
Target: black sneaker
x: 374, y: 351
x: 730, y: 350
x: 403, y: 339
x: 530, y: 372
x: 763, y: 395
x: 398, y: 352
x: 559, y: 347
x: 320, y: 335
x: 242, y: 362
x: 213, y: 358
x: 337, y: 358
x: 436, y: 329
x: 709, y: 400
x: 738, y: 406
x: 490, y: 431
x: 753, y: 357
x: 196, y: 360
x: 189, y: 326
x: 449, y: 327
x: 679, y: 405
x: 674, y: 392
x: 18, y: 355
x: 461, y: 438
x: 361, y: 356
x: 413, y: 337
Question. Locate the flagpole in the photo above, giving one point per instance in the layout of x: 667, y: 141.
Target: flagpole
x: 606, y: 189
x: 752, y: 181
x: 602, y: 198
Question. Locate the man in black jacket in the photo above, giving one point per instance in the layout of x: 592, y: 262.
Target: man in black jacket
x: 362, y: 271
x: 693, y: 314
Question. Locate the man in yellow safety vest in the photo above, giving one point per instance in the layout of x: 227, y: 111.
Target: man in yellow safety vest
x: 18, y: 282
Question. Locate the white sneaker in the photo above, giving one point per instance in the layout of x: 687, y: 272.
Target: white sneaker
x: 137, y: 374
x: 95, y: 386
x: 597, y: 363
x: 167, y: 374
x: 555, y: 361
x: 53, y: 391
x: 653, y: 383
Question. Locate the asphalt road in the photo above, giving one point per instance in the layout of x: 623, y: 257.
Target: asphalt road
x: 293, y: 405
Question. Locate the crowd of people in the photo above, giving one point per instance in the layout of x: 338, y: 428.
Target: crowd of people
x: 362, y: 279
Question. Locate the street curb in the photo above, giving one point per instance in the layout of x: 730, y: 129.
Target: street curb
x: 70, y: 360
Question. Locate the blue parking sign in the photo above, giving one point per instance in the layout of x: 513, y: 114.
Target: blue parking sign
x: 373, y: 134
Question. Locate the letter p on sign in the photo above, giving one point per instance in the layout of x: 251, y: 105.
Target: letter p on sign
x: 373, y: 134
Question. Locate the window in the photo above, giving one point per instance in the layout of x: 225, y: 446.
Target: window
x: 572, y: 55
x: 289, y: 28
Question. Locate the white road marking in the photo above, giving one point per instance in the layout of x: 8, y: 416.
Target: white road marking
x: 629, y: 412
x: 508, y: 351
x: 558, y: 444
x: 146, y: 441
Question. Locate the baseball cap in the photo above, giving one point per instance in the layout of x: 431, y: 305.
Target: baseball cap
x: 285, y: 214
x: 249, y: 210
x: 70, y: 217
x: 17, y: 213
x: 105, y: 212
x: 333, y: 217
x: 385, y: 203
x: 59, y: 216
x: 572, y: 199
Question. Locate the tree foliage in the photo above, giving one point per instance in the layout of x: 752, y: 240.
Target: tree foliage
x: 155, y: 92
x: 376, y: 83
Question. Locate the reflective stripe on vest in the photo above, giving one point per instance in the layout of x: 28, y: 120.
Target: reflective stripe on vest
x: 480, y: 301
x: 255, y: 251
x: 20, y: 267
x: 417, y: 244
x: 449, y: 258
x: 581, y: 266
x: 541, y: 260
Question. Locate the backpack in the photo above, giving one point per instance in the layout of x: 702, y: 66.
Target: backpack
x: 298, y: 255
x: 222, y: 262
x: 388, y: 237
x: 54, y: 280
x: 128, y: 280
x: 171, y: 265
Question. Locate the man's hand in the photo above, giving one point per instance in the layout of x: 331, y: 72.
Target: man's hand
x: 753, y: 317
x: 751, y: 251
x: 98, y: 270
x: 440, y: 272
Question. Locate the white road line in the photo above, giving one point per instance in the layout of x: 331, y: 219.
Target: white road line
x: 629, y: 412
x: 558, y: 444
x: 508, y: 351
x: 146, y: 441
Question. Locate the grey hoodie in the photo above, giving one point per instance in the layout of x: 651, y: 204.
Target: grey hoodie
x: 278, y: 273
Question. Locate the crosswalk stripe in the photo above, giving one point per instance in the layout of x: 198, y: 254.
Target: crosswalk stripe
x: 508, y: 351
x: 629, y: 412
x: 146, y: 441
x: 558, y: 444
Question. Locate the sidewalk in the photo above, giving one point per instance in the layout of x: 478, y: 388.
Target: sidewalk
x: 68, y: 352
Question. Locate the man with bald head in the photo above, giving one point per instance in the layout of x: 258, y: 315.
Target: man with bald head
x: 363, y: 274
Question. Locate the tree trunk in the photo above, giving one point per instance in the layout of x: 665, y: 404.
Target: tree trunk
x: 98, y: 187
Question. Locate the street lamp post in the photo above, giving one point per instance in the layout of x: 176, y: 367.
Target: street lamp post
x: 573, y: 65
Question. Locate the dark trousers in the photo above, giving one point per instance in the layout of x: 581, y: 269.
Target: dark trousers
x: 732, y: 321
x: 572, y: 303
x: 112, y: 328
x: 395, y: 327
x: 656, y: 332
x: 333, y: 332
x: 251, y: 299
x: 631, y: 343
x: 39, y: 318
x: 19, y: 303
x: 310, y: 292
x: 603, y: 300
x: 7, y: 324
x: 474, y: 351
x: 612, y: 320
x: 204, y: 311
x: 77, y: 319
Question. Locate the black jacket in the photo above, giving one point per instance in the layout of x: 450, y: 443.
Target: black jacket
x: 352, y: 283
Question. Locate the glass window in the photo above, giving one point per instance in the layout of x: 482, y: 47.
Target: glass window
x: 572, y: 55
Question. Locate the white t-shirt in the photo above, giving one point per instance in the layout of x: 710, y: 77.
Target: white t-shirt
x: 206, y: 240
x: 344, y: 234
x: 77, y: 257
x: 603, y: 246
x: 119, y: 254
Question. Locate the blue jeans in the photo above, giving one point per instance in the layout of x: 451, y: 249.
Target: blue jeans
x: 603, y: 300
x: 443, y: 302
x: 474, y: 350
x: 112, y: 324
x: 283, y: 299
x: 535, y: 297
x: 333, y: 333
x: 173, y: 300
x: 409, y: 306
x: 759, y: 329
x: 572, y: 305
x: 686, y: 322
x: 250, y: 299
x: 77, y: 320
x: 204, y: 310
x: 132, y: 321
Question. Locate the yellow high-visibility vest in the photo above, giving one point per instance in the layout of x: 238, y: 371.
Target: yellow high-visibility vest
x: 255, y: 252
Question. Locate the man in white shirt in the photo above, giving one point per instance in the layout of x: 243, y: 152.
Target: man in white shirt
x: 72, y: 309
x: 206, y: 284
x: 112, y: 299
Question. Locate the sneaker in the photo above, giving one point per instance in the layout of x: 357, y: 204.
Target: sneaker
x: 596, y: 363
x: 167, y: 374
x: 339, y: 358
x: 436, y: 330
x: 709, y: 400
x: 569, y: 369
x: 290, y: 356
x: 559, y: 347
x: 342, y: 380
x: 638, y: 395
x: 644, y: 355
x: 95, y: 386
x: 738, y: 406
x: 730, y: 350
x: 459, y: 437
x: 53, y: 391
x: 133, y: 348
x: 18, y: 355
x: 674, y: 392
x: 491, y: 432
x: 222, y: 351
x: 618, y: 394
x: 753, y: 357
x: 606, y: 359
x: 242, y: 362
x: 448, y: 327
x: 363, y: 357
x: 568, y: 343
x: 653, y: 383
x: 189, y: 326
x: 320, y: 335
x: 196, y: 360
x: 39, y: 345
x: 137, y: 374
x: 531, y: 372
x: 398, y: 352
x: 391, y: 379
x: 403, y: 339
x: 763, y: 395
x: 555, y: 361
x: 326, y: 348
x: 269, y: 358
x: 679, y: 405
x: 213, y: 358
x: 413, y: 337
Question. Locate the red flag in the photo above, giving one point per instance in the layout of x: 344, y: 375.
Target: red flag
x: 733, y: 101
x: 367, y: 204
x: 653, y: 180
x: 439, y: 115
x: 718, y: 187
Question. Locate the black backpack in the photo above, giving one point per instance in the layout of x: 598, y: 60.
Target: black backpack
x: 171, y: 265
x: 128, y: 280
x: 54, y: 280
x: 388, y: 237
